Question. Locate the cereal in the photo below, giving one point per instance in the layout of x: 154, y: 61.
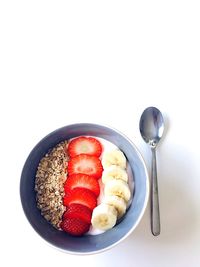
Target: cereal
x: 50, y: 177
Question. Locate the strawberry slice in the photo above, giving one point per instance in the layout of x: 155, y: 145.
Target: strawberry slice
x: 84, y: 145
x: 83, y: 181
x: 85, y: 164
x: 78, y: 211
x: 81, y: 196
x: 74, y: 226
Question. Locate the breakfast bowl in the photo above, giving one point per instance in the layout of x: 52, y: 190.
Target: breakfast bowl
x: 137, y: 180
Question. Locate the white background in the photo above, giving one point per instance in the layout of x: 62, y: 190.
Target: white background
x: 103, y: 61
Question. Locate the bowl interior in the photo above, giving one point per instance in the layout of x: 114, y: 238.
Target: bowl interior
x: 87, y: 244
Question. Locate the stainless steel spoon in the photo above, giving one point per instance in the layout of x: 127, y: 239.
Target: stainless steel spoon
x: 151, y: 129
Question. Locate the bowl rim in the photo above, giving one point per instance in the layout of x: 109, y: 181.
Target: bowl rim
x: 146, y: 193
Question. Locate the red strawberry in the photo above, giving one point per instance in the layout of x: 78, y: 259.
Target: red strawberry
x: 80, y: 196
x: 84, y: 145
x: 74, y: 226
x: 78, y: 211
x: 85, y: 164
x: 83, y: 181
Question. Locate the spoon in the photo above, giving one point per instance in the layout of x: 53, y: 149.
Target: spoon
x: 151, y: 129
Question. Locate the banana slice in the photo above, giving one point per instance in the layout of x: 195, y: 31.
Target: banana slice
x: 114, y: 157
x: 104, y: 217
x: 117, y: 188
x: 117, y: 202
x: 114, y: 172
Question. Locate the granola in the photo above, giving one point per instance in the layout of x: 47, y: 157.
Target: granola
x: 50, y: 177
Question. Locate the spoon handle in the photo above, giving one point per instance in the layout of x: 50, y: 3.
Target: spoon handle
x: 155, y: 213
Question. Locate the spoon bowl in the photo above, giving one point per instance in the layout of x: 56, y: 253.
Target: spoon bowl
x: 151, y: 126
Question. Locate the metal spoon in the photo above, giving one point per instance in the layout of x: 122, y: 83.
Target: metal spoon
x: 151, y: 129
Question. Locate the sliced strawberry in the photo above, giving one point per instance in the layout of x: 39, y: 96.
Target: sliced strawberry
x: 81, y: 196
x: 84, y: 145
x: 85, y: 164
x: 83, y: 181
x: 74, y: 226
x: 78, y: 211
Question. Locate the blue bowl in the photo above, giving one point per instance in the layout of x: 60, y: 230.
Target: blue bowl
x: 88, y: 244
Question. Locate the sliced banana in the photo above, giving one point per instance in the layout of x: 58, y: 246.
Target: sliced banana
x: 114, y: 157
x: 118, y: 188
x: 114, y: 172
x: 117, y: 202
x: 104, y: 217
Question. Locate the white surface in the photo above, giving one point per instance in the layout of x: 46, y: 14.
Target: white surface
x: 103, y: 61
